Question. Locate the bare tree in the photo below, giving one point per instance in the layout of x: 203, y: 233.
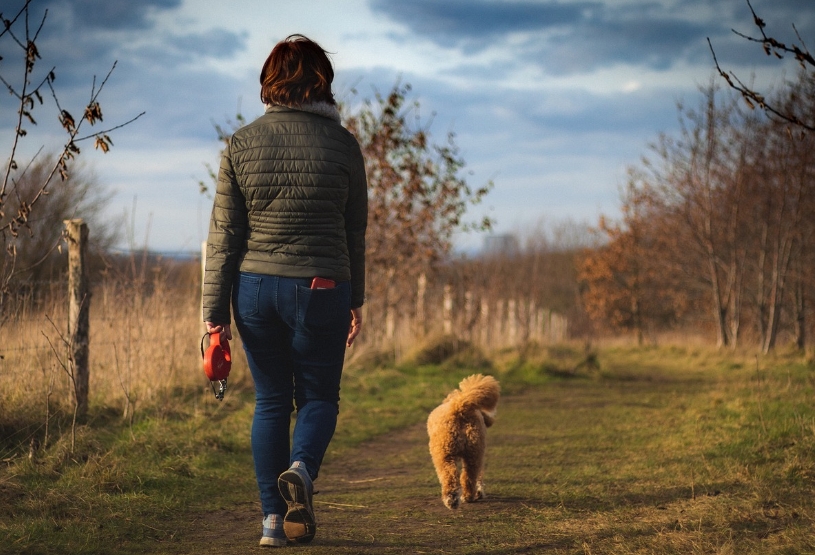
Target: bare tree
x: 722, y: 217
x: 418, y: 197
x: 697, y: 183
x: 780, y: 209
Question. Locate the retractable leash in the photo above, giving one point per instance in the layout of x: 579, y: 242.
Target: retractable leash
x: 217, y: 362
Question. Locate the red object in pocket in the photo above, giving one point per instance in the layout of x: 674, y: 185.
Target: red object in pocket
x: 322, y: 283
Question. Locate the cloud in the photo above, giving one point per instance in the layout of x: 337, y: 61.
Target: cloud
x: 82, y: 38
x: 156, y: 64
x: 214, y: 43
x: 114, y: 14
x: 564, y: 38
x: 479, y: 21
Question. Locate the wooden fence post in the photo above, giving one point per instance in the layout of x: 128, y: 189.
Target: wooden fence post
x: 500, y: 328
x: 512, y: 323
x: 484, y: 318
x: 447, y: 309
x: 421, y: 292
x: 390, y: 322
x: 469, y: 316
x: 78, y: 311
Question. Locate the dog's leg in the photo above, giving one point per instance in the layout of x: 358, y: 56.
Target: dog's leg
x: 448, y: 477
x: 471, y: 474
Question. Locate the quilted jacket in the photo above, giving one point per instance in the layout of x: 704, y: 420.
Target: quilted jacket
x: 291, y: 201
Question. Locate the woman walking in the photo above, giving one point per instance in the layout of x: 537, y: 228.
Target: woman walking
x: 286, y: 246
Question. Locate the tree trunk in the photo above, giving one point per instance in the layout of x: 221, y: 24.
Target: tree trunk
x: 799, y: 308
x: 719, y: 308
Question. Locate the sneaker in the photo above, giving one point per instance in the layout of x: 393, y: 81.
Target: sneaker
x: 273, y: 535
x: 296, y: 488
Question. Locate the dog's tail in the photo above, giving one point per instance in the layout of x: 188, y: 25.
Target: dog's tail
x: 481, y: 392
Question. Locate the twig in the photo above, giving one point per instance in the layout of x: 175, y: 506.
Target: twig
x: 49, y: 390
x: 109, y: 129
x: 365, y: 481
x: 7, y: 27
x: 342, y: 504
x: 26, y: 97
x: 775, y: 47
x: 69, y: 370
x: 753, y: 98
x: 129, y: 405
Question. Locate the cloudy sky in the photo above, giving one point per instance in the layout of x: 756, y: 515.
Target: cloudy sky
x: 550, y: 99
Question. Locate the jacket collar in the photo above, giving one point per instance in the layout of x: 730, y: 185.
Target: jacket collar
x: 323, y: 109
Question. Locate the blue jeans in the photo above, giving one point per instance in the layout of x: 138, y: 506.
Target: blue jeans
x: 294, y: 338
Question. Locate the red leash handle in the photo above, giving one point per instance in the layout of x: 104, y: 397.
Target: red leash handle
x: 217, y: 357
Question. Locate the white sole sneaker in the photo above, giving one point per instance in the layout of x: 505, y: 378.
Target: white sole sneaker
x: 273, y: 535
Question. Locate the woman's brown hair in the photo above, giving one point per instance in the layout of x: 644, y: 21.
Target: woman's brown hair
x: 297, y: 72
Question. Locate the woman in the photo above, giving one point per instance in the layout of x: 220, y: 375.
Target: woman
x: 291, y: 205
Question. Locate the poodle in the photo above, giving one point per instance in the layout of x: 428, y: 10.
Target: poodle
x: 458, y: 434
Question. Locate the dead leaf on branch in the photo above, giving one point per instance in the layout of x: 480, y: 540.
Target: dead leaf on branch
x: 32, y: 54
x: 22, y: 212
x: 67, y: 121
x: 103, y: 143
x: 93, y: 113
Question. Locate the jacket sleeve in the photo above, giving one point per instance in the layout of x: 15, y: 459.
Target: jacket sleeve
x: 225, y: 243
x: 356, y: 223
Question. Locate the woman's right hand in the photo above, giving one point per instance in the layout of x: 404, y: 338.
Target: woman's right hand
x: 226, y: 329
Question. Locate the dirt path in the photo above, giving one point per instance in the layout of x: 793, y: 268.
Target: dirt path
x: 382, y: 497
x: 549, y: 459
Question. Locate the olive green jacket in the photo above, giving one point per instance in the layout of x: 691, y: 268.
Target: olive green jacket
x: 291, y: 201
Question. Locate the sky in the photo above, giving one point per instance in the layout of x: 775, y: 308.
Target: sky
x: 551, y: 100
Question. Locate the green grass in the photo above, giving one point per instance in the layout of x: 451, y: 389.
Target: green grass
x: 625, y: 450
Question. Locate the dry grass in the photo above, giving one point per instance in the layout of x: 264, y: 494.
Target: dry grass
x: 144, y: 356
x: 141, y: 347
x: 650, y: 450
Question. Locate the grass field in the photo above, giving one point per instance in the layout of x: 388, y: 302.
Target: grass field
x: 625, y: 450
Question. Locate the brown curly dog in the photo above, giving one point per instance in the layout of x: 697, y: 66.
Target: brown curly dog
x: 458, y: 438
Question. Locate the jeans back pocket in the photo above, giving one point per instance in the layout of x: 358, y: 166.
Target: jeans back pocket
x: 325, y: 311
x: 246, y: 292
